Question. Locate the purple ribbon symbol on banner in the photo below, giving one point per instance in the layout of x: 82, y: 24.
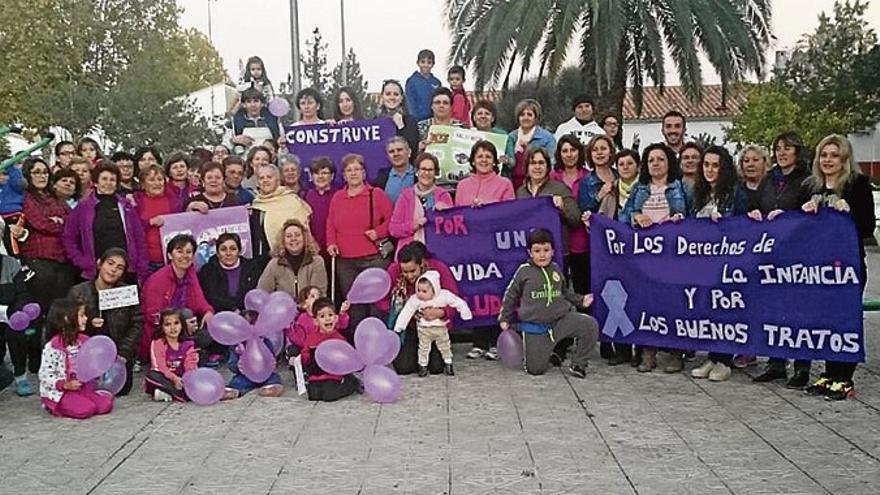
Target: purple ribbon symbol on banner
x: 615, y: 298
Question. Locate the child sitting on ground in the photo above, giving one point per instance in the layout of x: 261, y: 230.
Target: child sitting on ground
x: 61, y: 393
x: 547, y: 309
x: 429, y: 294
x: 305, y: 322
x: 241, y: 384
x: 171, y: 355
x: 323, y: 386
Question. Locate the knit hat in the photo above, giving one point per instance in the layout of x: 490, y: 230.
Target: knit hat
x: 582, y: 98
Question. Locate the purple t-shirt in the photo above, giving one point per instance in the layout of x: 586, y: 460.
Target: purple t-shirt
x: 320, y: 204
x: 174, y: 359
x: 233, y: 277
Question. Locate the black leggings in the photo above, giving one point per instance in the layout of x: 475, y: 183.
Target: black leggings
x: 407, y: 360
x: 331, y: 390
x: 25, y: 350
x: 156, y: 380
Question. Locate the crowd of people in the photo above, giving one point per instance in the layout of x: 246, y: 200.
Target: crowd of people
x: 86, y: 222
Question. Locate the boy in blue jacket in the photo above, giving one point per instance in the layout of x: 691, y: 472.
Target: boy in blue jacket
x: 547, y: 309
x: 420, y: 87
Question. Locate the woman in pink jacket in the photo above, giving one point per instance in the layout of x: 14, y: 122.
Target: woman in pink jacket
x: 175, y: 286
x: 409, y: 216
x: 484, y: 187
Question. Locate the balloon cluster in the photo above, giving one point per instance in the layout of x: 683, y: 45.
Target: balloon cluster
x: 375, y: 348
x: 20, y: 320
x: 276, y: 312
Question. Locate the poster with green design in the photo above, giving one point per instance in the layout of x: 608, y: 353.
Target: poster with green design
x: 452, y: 147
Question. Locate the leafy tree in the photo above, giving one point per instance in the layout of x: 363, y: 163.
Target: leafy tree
x: 619, y: 42
x: 830, y: 67
x: 772, y: 109
x: 314, y: 64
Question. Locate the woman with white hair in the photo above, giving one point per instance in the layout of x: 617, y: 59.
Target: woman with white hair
x: 291, y: 174
x: 273, y: 205
x: 835, y: 182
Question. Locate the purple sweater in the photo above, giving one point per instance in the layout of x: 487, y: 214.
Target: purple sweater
x: 79, y: 242
x: 320, y: 204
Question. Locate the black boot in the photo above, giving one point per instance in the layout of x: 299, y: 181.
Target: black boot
x: 447, y: 370
x: 799, y: 380
x: 770, y: 374
x: 423, y: 371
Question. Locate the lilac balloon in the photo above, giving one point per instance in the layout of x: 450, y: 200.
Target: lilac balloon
x: 278, y: 313
x: 19, y: 321
x: 94, y: 358
x: 114, y: 379
x: 255, y: 299
x: 375, y: 343
x: 382, y: 384
x: 257, y: 362
x: 370, y: 286
x: 277, y: 340
x: 33, y: 310
x: 229, y: 328
x: 203, y: 386
x: 338, y: 357
x: 510, y: 349
x: 279, y: 107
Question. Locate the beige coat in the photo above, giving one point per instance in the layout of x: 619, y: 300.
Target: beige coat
x: 279, y: 276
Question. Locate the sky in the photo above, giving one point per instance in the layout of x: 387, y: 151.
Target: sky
x: 386, y: 35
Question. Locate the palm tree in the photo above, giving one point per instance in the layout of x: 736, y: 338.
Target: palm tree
x: 620, y: 41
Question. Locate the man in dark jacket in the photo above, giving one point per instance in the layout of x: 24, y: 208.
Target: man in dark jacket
x: 123, y: 325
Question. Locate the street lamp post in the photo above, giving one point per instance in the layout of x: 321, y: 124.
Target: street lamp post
x: 344, y: 57
x: 294, y: 47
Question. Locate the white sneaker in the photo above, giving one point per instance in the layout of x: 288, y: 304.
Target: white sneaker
x: 160, y: 396
x: 492, y: 354
x: 476, y: 353
x: 720, y: 372
x: 703, y: 371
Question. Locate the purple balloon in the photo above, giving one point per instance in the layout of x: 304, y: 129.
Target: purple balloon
x: 257, y: 362
x: 255, y: 299
x: 382, y: 384
x: 338, y: 357
x: 114, y: 379
x: 279, y: 107
x: 277, y: 341
x: 19, y: 320
x: 375, y: 343
x: 278, y: 313
x: 510, y: 349
x: 94, y: 358
x: 203, y: 386
x: 33, y: 310
x: 229, y: 328
x: 370, y: 286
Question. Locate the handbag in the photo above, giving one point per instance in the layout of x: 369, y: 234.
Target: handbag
x: 385, y: 246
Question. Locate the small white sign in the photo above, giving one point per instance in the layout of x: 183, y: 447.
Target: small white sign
x: 119, y: 297
x: 300, y: 377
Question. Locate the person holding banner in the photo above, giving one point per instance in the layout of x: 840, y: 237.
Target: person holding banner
x: 123, y: 325
x: 228, y: 276
x: 716, y: 196
x: 783, y: 190
x: 538, y: 183
x: 571, y: 170
x: 152, y: 203
x: 213, y: 193
x: 836, y: 183
x: 441, y: 111
x: 295, y: 262
x: 104, y: 220
x: 347, y: 106
x: 753, y: 162
x: 529, y: 134
x: 408, y: 219
x: 273, y: 206
x: 659, y: 196
x: 357, y: 227
x: 546, y: 308
x: 311, y: 107
x: 393, y: 104
x: 484, y: 186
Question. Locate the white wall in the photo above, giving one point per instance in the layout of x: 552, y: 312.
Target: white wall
x: 650, y: 131
x: 866, y: 147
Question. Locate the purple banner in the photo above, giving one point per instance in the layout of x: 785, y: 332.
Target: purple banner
x: 207, y: 227
x: 789, y: 288
x: 484, y: 246
x: 364, y: 137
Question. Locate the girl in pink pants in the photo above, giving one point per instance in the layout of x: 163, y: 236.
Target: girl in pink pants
x: 62, y: 394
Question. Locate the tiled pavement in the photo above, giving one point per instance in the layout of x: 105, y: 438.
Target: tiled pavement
x: 486, y: 430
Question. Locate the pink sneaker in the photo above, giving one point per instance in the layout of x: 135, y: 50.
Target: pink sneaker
x: 742, y: 361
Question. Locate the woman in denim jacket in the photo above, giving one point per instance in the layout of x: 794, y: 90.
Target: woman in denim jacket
x: 659, y: 196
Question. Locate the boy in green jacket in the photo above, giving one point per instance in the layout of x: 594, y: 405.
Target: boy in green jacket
x: 547, y: 309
